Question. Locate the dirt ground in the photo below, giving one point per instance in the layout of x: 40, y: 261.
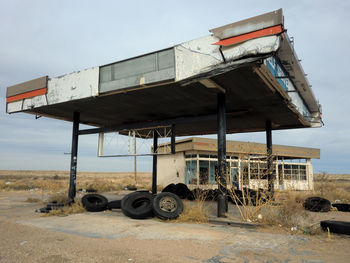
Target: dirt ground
x: 111, y: 237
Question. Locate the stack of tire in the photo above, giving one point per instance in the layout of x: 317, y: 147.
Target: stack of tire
x: 138, y: 205
x: 250, y: 196
x: 182, y: 191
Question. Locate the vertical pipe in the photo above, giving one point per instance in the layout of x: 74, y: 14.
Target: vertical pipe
x: 173, y: 139
x: 154, y: 169
x: 135, y: 162
x: 270, y: 175
x: 221, y: 122
x: 197, y: 171
x: 74, y: 156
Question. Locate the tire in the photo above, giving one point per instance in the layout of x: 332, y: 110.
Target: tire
x: 181, y: 190
x: 342, y: 207
x: 54, y: 205
x: 317, y: 204
x: 170, y: 188
x: 94, y: 202
x: 167, y: 206
x: 137, y: 205
x: 338, y: 227
x: 116, y: 204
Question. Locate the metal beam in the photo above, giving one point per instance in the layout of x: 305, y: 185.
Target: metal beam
x: 154, y: 168
x: 271, y: 175
x: 74, y: 156
x: 153, y: 124
x: 221, y: 122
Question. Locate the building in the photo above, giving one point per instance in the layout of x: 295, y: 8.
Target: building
x: 195, y: 164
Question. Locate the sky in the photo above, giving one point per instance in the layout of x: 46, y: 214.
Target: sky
x: 57, y: 37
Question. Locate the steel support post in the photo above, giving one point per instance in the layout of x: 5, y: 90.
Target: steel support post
x: 154, y: 169
x: 173, y: 139
x: 74, y: 156
x: 270, y: 175
x: 221, y: 122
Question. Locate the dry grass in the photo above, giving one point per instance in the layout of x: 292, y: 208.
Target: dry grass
x: 75, y: 208
x: 289, y: 213
x: 32, y: 184
x: 248, y: 211
x: 195, y: 211
x: 33, y: 200
x: 332, y: 189
x: 54, y: 182
x: 61, y: 197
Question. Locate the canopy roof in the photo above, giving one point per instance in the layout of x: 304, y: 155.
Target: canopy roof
x: 251, y: 61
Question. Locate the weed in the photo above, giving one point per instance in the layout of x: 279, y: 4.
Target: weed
x: 61, y: 198
x: 74, y: 208
x: 195, y: 211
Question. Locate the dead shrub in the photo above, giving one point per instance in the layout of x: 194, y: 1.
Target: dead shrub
x: 74, y: 208
x: 250, y: 205
x: 61, y: 198
x: 289, y: 214
x: 195, y: 211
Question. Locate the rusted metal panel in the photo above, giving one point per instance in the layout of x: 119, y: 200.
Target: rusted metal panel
x: 31, y: 85
x: 74, y: 86
x: 249, y: 25
x: 195, y: 56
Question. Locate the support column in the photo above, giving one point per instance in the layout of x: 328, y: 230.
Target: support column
x: 135, y: 160
x: 173, y: 139
x: 221, y: 122
x: 270, y: 175
x: 74, y: 156
x: 154, y: 169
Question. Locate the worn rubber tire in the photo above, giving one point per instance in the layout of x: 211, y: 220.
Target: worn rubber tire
x: 167, y: 206
x: 181, y: 190
x: 339, y: 227
x: 91, y: 190
x: 116, y: 204
x: 55, y: 205
x: 170, y: 188
x: 317, y: 204
x: 137, y: 205
x: 342, y: 207
x: 94, y: 202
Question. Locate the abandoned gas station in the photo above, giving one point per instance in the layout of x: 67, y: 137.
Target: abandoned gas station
x: 243, y: 77
x: 195, y: 164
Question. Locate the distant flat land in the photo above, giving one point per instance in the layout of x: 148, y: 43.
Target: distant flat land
x: 39, y: 173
